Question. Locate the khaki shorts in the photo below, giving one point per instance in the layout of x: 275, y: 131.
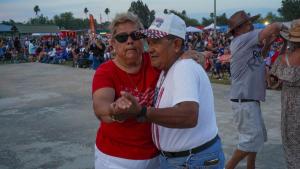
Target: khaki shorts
x: 250, y: 126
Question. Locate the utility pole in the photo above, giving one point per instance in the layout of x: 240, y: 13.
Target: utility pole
x: 215, y: 18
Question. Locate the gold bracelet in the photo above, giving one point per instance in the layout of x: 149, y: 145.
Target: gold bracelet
x: 114, y: 118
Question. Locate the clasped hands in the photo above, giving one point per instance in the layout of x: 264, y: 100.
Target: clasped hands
x: 125, y: 107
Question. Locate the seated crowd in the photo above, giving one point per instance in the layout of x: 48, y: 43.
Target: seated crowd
x: 216, y: 55
x: 83, y: 52
x: 87, y: 52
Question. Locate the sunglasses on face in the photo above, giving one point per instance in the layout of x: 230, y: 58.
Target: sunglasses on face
x: 123, y: 37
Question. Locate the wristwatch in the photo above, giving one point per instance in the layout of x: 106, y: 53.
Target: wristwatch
x: 142, y: 116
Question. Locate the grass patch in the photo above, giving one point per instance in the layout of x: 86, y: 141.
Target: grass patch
x: 225, y: 79
x: 67, y: 63
x: 221, y: 81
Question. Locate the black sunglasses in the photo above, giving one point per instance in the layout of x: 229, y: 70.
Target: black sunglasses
x: 123, y: 37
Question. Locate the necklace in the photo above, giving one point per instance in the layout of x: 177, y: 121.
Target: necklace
x: 120, y: 66
x: 132, y: 83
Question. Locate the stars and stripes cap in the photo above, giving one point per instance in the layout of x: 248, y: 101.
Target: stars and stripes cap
x: 166, y: 24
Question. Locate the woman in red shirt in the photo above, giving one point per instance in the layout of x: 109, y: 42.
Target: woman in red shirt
x: 124, y: 142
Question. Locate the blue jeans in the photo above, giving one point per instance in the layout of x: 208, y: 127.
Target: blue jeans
x: 205, y: 159
x: 96, y: 62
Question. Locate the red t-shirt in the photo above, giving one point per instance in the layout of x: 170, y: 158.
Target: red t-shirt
x: 129, y: 139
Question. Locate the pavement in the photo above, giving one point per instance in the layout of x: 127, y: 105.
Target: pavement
x: 47, y: 120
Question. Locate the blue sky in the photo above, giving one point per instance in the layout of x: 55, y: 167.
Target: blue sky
x: 22, y: 10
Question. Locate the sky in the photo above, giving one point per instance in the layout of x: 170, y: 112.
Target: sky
x: 22, y: 10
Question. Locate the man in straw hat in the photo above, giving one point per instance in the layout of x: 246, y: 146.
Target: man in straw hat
x: 248, y: 84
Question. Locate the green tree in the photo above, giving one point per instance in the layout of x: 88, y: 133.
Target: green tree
x: 270, y: 17
x: 206, y: 21
x: 221, y: 19
x: 166, y: 11
x: 290, y: 9
x: 85, y: 10
x: 66, y: 20
x: 104, y: 25
x: 40, y: 20
x: 11, y: 22
x: 152, y: 16
x: 142, y: 11
x: 107, y: 11
x: 36, y: 9
x: 183, y: 12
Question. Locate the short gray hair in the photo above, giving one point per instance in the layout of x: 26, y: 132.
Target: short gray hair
x: 123, y: 18
x: 172, y: 37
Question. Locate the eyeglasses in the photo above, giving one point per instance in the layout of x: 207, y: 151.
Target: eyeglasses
x: 123, y: 37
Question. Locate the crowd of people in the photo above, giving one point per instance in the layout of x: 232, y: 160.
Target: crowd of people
x: 89, y: 52
x: 155, y: 103
x: 214, y: 47
x: 157, y: 116
x: 84, y: 51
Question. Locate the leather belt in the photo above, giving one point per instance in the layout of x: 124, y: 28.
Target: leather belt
x: 243, y: 100
x: 192, y: 151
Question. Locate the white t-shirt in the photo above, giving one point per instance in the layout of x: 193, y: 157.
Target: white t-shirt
x: 31, y: 49
x: 185, y: 81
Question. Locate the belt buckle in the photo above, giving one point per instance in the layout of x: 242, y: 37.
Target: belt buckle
x: 167, y: 154
x: 162, y: 153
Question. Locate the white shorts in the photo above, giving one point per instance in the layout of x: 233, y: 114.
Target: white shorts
x: 250, y: 125
x: 104, y: 161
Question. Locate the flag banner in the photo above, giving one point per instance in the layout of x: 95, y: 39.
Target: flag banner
x: 92, y: 24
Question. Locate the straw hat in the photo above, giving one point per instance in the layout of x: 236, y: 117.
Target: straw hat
x: 292, y: 34
x: 238, y: 18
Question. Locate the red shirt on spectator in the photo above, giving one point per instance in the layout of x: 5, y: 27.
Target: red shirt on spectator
x: 225, y: 58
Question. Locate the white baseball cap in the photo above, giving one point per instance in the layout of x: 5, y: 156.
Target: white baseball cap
x: 166, y: 24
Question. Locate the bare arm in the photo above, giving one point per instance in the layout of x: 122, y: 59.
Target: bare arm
x: 191, y: 54
x: 102, y: 100
x: 182, y: 115
x: 270, y: 32
x: 266, y: 47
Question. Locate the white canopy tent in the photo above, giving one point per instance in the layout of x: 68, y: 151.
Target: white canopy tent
x: 193, y: 29
x: 44, y: 34
x: 211, y: 26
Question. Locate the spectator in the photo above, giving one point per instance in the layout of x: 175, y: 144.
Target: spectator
x: 97, y: 49
x: 39, y: 53
x: 225, y: 60
x: 75, y: 55
x: 2, y: 50
x: 248, y: 85
x: 31, y: 51
x: 287, y: 68
x: 17, y: 44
